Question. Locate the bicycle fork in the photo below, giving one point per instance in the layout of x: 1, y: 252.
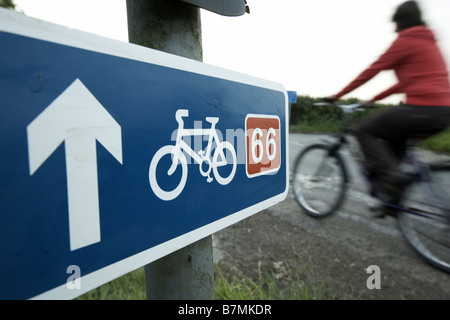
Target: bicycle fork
x: 175, y: 160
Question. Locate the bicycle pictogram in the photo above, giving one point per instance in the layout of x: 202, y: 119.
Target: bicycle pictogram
x: 207, y: 159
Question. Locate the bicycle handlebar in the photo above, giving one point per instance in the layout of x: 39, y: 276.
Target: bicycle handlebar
x: 347, y: 108
x: 180, y: 114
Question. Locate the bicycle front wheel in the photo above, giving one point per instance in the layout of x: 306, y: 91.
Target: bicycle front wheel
x: 167, y: 186
x: 319, y: 180
x: 426, y: 227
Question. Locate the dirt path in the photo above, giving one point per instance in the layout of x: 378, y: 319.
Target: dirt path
x: 336, y: 251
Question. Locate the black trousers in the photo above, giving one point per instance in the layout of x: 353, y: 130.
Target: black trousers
x: 383, y: 135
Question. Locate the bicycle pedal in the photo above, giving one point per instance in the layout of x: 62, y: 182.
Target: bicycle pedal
x: 209, y: 179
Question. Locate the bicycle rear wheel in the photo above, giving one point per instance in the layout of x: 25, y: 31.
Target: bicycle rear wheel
x: 426, y: 227
x: 319, y: 180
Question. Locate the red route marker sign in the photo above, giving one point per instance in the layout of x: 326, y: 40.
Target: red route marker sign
x: 263, y: 144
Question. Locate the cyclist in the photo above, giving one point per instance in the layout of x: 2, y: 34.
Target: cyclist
x: 422, y: 75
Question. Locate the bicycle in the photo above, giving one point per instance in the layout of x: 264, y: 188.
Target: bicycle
x: 321, y: 179
x: 217, y: 160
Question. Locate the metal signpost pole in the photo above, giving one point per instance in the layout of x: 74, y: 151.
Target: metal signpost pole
x: 174, y: 27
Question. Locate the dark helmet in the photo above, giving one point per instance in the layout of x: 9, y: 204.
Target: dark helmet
x: 407, y: 15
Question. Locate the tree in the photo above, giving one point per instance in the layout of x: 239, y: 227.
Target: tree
x: 7, y: 4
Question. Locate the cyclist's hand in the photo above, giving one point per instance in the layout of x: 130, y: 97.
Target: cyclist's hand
x: 367, y: 104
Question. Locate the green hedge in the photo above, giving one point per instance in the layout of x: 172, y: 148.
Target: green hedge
x: 305, y: 115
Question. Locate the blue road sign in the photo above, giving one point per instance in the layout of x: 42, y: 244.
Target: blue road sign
x: 292, y: 95
x: 113, y: 155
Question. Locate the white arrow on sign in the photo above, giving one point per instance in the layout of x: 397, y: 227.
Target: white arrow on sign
x: 77, y: 118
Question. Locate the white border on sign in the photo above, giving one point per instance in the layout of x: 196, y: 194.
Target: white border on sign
x: 16, y: 23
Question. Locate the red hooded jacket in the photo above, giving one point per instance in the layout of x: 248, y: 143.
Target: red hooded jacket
x: 419, y: 66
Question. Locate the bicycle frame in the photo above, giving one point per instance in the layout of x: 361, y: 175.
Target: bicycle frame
x: 181, y: 145
x: 420, y: 174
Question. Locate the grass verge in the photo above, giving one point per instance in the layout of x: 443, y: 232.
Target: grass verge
x: 128, y: 287
x: 288, y: 284
x: 438, y: 143
x: 283, y: 283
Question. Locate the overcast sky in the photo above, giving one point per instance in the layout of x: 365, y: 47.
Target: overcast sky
x: 314, y: 47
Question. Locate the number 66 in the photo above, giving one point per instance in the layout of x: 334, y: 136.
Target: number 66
x: 257, y: 143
